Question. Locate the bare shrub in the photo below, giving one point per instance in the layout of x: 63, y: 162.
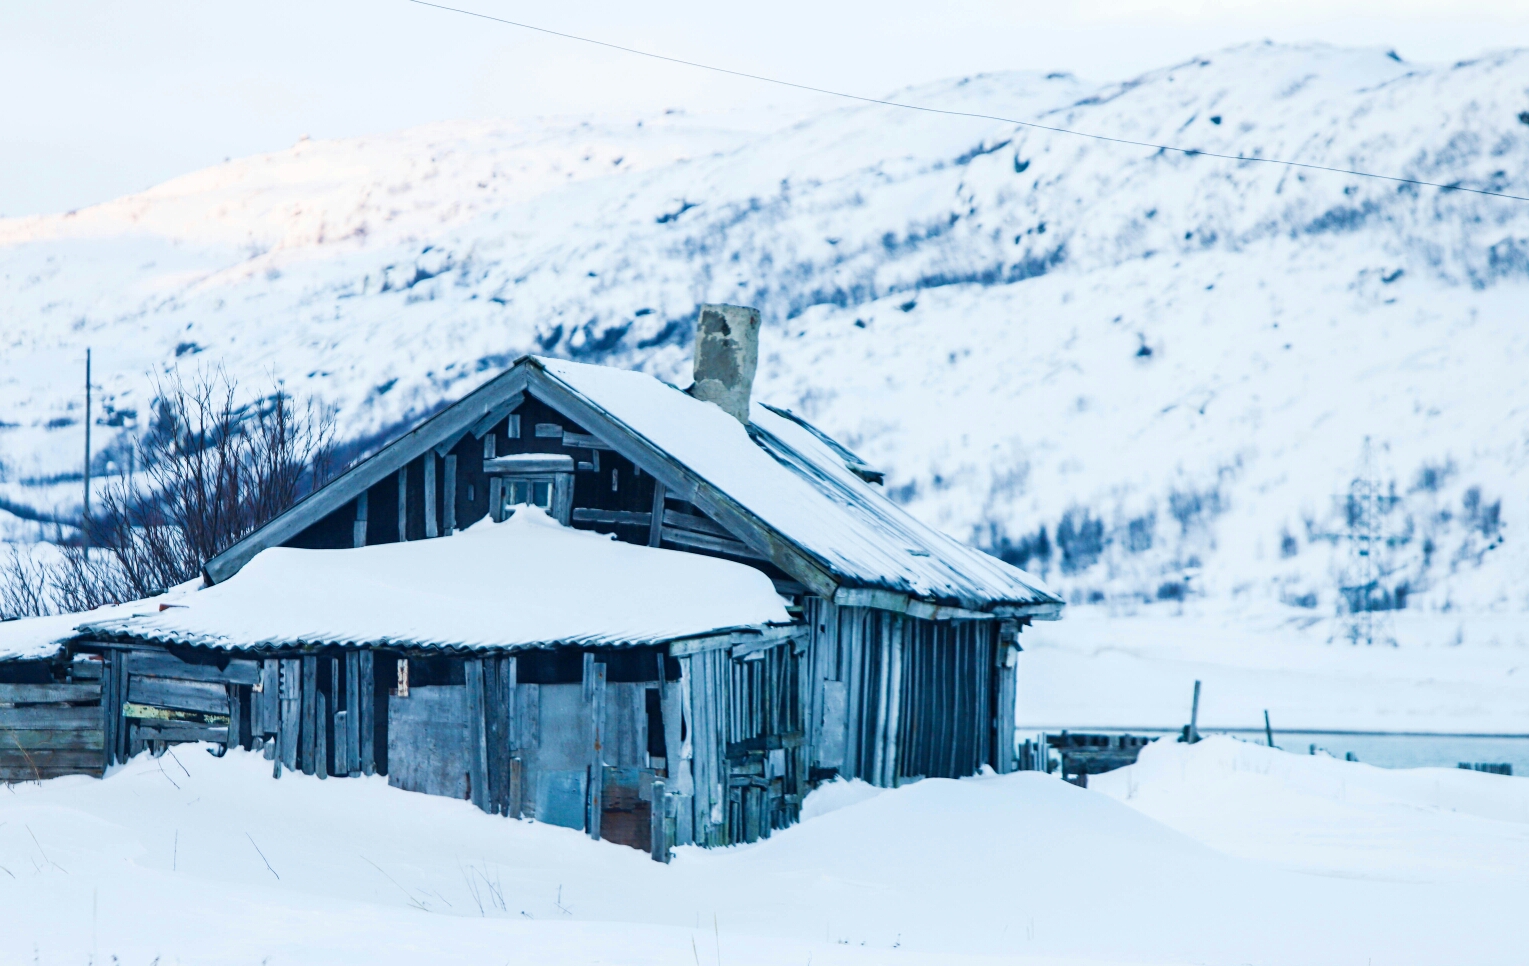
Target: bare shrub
x: 214, y: 470
x: 24, y: 586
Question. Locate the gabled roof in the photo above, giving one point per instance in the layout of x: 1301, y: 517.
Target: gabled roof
x: 782, y: 487
x: 524, y: 583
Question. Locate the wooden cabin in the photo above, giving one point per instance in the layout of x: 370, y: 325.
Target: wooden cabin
x: 529, y: 667
x: 903, y: 640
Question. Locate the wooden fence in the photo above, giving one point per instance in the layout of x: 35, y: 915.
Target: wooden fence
x: 48, y: 730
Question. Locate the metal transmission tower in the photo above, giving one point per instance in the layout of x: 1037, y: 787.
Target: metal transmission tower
x: 1364, y: 604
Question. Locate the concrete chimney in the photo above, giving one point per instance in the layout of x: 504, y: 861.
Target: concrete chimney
x: 726, y: 356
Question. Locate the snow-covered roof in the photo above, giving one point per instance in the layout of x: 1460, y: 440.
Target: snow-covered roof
x: 35, y: 638
x: 781, y: 487
x: 804, y: 489
x: 526, y: 582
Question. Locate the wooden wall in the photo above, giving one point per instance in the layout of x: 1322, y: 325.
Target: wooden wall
x: 893, y: 698
x: 733, y: 738
x: 610, y: 495
x: 50, y: 728
x: 748, y: 751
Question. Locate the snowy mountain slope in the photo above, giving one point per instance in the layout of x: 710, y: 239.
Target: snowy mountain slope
x: 1140, y: 373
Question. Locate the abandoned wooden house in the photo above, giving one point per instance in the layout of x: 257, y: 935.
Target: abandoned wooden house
x: 886, y: 650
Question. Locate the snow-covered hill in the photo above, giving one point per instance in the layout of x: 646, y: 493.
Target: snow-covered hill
x: 1142, y: 374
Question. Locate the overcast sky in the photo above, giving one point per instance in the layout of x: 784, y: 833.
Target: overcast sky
x: 107, y: 97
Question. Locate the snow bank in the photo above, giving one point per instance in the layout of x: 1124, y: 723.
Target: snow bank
x: 525, y: 582
x: 834, y: 795
x: 207, y: 860
x: 1324, y: 815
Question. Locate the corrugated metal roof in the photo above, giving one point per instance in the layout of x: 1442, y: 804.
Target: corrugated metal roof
x: 527, y: 582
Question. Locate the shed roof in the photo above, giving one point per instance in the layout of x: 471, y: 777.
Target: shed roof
x: 38, y: 638
x: 527, y: 582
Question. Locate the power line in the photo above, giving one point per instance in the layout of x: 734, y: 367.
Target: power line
x: 1190, y: 152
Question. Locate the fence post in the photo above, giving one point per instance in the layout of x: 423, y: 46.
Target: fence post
x: 659, y: 831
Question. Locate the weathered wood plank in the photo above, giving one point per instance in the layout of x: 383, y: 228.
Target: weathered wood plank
x: 627, y: 518
x: 49, y: 693
x: 163, y: 665
x: 50, y: 718
x: 656, y: 517
x: 269, y: 697
x: 596, y: 711
x: 308, y: 735
x: 496, y: 415
x: 689, y: 521
x: 549, y: 431
x: 427, y: 741
x: 477, y: 743
x: 528, y: 706
x: 40, y: 772
x: 367, y: 721
x: 509, y: 675
x: 184, y: 695
x: 133, y: 710
x: 403, y: 503
x: 52, y: 740
x: 342, y: 730
x: 291, y: 711
x: 493, y: 731
x: 353, y: 712
x: 179, y: 731
x: 895, y: 634
x: 562, y: 497
x: 583, y: 441
x: 235, y: 727
x: 47, y: 763
x: 336, y: 706
x: 124, y: 736
x: 706, y: 541
x: 322, y: 764
x: 450, y: 487
x: 658, y: 816
x: 430, y: 495
x: 111, y: 712
x: 358, y: 526
x: 496, y: 498
x: 517, y: 793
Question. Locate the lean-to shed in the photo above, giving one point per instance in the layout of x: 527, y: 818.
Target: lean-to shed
x: 535, y: 669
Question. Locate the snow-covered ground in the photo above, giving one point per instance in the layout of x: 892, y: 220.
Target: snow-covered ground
x: 1224, y: 852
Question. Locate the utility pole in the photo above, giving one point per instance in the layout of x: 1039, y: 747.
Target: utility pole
x: 1364, y: 603
x: 85, y: 517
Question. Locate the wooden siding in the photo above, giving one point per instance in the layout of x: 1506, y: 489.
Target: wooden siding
x: 894, y: 697
x: 51, y: 729
x: 610, y: 494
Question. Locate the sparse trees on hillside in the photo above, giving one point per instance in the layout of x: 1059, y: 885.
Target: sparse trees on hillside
x: 215, y: 467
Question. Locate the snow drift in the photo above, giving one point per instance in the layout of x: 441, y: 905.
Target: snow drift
x: 210, y: 860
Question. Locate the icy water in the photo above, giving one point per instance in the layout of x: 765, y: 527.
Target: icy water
x: 1409, y: 751
x: 1383, y: 750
